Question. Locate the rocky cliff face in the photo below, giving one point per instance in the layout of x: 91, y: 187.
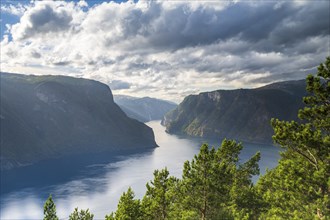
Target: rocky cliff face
x: 242, y: 114
x: 46, y: 117
x: 144, y: 109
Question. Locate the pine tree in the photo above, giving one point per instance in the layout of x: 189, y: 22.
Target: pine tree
x: 245, y: 203
x: 299, y: 187
x: 158, y: 200
x: 50, y: 209
x: 213, y: 180
x: 82, y: 215
x: 111, y: 216
x: 128, y: 208
x: 198, y: 182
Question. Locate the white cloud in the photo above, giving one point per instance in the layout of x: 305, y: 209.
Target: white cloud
x: 82, y: 3
x: 45, y: 18
x: 169, y: 48
x: 17, y: 9
x: 119, y: 85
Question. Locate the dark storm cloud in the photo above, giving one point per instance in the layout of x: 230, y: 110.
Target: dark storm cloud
x: 301, y: 23
x: 267, y: 26
x: 281, y: 77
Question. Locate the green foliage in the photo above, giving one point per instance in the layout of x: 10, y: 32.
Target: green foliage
x: 82, y: 215
x: 198, y: 183
x: 111, y: 216
x: 215, y: 186
x: 299, y: 187
x: 245, y: 202
x: 128, y: 208
x: 50, y: 209
x: 160, y: 196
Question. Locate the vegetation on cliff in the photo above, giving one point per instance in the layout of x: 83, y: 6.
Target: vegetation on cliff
x: 241, y: 114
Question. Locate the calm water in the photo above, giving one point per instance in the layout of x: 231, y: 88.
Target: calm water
x: 99, y: 186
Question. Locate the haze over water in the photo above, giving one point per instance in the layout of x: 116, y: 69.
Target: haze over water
x: 99, y: 186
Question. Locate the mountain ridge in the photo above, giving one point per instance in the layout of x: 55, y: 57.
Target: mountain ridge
x: 44, y: 117
x: 242, y: 114
x: 144, y: 109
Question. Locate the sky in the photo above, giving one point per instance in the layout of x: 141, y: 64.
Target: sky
x: 166, y: 49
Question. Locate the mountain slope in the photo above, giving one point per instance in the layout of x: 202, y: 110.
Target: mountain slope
x: 242, y: 114
x: 144, y: 109
x: 50, y: 116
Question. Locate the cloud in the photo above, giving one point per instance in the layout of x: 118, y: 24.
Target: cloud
x: 44, y: 18
x: 171, y: 48
x: 17, y: 10
x: 82, y: 3
x: 119, y: 85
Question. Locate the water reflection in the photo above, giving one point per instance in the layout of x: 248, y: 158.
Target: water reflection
x: 99, y: 186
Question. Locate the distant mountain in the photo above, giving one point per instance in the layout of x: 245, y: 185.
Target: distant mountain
x: 46, y: 117
x: 144, y: 109
x: 242, y: 114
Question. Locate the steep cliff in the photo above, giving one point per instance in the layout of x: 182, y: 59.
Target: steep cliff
x: 46, y: 117
x: 242, y: 114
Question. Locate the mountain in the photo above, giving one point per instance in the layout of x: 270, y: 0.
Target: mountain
x: 144, y: 109
x: 241, y: 114
x: 45, y: 117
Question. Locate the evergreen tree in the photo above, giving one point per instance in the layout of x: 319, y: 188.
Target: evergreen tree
x: 111, y: 216
x: 158, y: 200
x: 245, y: 203
x: 50, y: 209
x: 299, y: 187
x: 82, y: 215
x: 213, y: 180
x: 198, y: 183
x: 128, y: 208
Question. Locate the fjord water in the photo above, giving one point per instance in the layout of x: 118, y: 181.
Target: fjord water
x: 99, y: 186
